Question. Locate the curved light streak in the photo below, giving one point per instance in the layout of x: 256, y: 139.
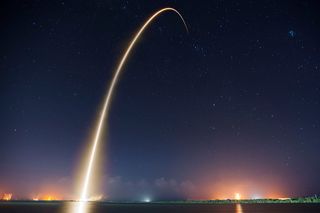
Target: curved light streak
x: 109, y: 96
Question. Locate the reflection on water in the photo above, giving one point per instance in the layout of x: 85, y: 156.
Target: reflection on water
x: 89, y: 207
x: 104, y: 207
x: 78, y: 207
x: 239, y: 208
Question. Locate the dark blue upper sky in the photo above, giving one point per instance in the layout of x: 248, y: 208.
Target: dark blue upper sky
x: 233, y: 103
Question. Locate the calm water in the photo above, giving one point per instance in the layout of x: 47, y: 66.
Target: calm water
x: 25, y: 207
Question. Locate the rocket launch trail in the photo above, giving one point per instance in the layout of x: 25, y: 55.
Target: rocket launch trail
x: 110, y: 91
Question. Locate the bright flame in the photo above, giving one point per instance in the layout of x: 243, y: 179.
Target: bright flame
x: 84, y: 194
x: 237, y: 196
x: 7, y: 196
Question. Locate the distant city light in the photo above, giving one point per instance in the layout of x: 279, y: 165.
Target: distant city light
x: 237, y: 196
x: 284, y: 198
x: 147, y: 200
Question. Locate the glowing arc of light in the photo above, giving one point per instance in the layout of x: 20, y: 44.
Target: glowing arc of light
x: 110, y: 92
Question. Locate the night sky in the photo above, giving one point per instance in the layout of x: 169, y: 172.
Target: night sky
x: 231, y: 106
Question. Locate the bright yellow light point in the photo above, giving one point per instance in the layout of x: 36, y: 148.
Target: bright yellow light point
x: 237, y: 196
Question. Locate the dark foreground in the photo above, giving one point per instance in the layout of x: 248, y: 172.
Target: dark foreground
x: 65, y: 207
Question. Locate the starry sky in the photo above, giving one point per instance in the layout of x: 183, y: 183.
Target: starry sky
x: 231, y: 106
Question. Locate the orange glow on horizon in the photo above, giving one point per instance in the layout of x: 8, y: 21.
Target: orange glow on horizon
x: 280, y: 196
x: 240, y: 188
x: 50, y: 198
x: 46, y: 197
x: 7, y: 196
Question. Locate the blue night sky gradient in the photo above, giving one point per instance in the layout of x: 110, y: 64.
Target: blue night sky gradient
x: 235, y: 100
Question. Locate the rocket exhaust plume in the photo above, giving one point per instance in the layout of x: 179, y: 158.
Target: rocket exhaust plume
x: 107, y: 102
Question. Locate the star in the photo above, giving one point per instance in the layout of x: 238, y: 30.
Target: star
x: 292, y: 33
